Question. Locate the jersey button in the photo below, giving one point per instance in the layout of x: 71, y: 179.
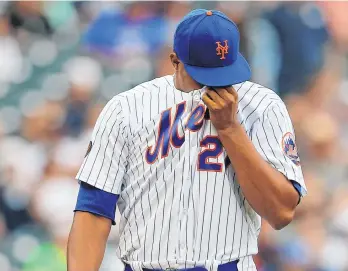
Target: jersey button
x: 196, y: 97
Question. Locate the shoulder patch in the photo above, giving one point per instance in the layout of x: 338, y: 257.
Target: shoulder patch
x: 89, y: 148
x: 290, y: 149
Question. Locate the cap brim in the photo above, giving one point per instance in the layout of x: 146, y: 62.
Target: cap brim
x: 236, y: 73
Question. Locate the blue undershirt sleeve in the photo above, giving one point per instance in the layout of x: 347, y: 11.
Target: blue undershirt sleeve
x: 298, y: 188
x: 93, y: 200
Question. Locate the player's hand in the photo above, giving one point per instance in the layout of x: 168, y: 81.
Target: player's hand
x: 222, y: 104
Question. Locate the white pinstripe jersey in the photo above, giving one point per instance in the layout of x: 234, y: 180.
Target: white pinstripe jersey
x: 180, y: 202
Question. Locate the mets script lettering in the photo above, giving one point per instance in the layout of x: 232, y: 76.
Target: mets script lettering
x: 221, y: 50
x: 168, y: 130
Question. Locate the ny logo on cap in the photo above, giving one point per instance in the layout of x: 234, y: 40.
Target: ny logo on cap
x: 221, y: 50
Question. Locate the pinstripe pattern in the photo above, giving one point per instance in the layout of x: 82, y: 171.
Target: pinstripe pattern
x: 172, y: 215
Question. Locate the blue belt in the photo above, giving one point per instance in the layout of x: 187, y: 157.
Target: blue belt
x: 230, y: 266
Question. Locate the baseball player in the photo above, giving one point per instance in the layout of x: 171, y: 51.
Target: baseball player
x: 193, y: 161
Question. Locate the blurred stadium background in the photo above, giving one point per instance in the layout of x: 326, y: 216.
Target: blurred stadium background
x: 61, y: 61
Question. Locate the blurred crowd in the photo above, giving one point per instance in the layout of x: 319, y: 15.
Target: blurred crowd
x: 60, y: 61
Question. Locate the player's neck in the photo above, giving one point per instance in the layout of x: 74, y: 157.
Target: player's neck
x: 187, y: 86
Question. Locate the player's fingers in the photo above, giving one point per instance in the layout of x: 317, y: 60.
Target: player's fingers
x: 232, y: 91
x: 209, y: 102
x: 213, y: 89
x: 215, y: 97
x: 225, y: 95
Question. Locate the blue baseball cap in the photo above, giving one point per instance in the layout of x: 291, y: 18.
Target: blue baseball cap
x: 207, y: 42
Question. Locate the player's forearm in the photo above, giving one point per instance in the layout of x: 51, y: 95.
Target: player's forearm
x: 266, y: 189
x: 87, y: 242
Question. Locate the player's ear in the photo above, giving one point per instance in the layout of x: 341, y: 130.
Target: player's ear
x: 175, y: 60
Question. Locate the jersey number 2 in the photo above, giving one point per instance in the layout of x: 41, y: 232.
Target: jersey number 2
x: 214, y: 152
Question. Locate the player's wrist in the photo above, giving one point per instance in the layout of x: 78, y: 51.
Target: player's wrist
x: 233, y: 128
